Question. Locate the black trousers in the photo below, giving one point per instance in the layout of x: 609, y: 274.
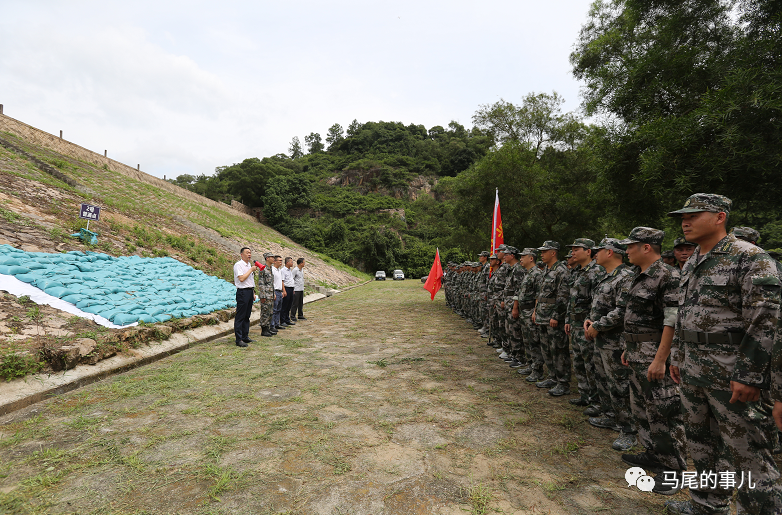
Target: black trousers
x: 297, y: 304
x: 244, y: 306
x: 285, y: 315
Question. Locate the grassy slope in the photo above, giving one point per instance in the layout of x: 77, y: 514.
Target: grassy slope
x: 141, y: 218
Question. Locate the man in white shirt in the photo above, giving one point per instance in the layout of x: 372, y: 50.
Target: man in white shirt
x: 298, y: 290
x: 287, y: 282
x: 279, y: 292
x: 244, y: 279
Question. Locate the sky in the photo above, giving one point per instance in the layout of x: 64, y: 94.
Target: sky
x: 182, y: 87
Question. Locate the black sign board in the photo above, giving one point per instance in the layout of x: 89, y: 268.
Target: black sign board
x: 89, y: 212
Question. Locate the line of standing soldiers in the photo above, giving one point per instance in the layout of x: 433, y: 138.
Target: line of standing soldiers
x: 679, y: 357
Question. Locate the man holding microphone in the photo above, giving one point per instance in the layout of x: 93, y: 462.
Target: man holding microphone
x: 244, y: 279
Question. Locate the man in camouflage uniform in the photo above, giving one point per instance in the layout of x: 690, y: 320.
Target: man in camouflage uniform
x: 549, y: 315
x: 747, y: 234
x: 721, y: 355
x: 604, y: 325
x: 515, y: 344
x: 682, y: 250
x: 266, y: 295
x: 496, y: 289
x: 523, y: 308
x: 650, y: 310
x: 494, y: 264
x: 483, y: 290
x: 583, y: 276
x: 475, y: 310
x: 669, y: 259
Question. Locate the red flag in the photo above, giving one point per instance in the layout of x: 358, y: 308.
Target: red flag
x: 434, y: 281
x: 496, y: 224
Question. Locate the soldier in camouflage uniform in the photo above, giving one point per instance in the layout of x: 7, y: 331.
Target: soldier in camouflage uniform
x: 475, y: 316
x: 483, y: 290
x: 604, y: 325
x: 583, y: 276
x: 523, y: 308
x: 496, y: 289
x: 747, y: 234
x: 650, y: 309
x: 549, y: 315
x: 668, y: 258
x: 682, y: 250
x: 515, y: 343
x: 721, y: 354
x: 266, y: 293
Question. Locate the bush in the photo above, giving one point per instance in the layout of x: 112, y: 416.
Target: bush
x: 15, y: 364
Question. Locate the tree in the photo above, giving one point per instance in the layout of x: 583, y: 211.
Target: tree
x: 536, y: 123
x: 353, y: 128
x: 313, y: 142
x: 334, y: 136
x: 295, y: 148
x: 695, y: 88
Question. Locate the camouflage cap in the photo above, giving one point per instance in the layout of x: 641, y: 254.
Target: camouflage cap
x: 569, y: 255
x: 644, y: 235
x: 704, y: 202
x: 493, y: 256
x: 510, y: 249
x: 612, y: 244
x: 549, y: 245
x: 268, y: 255
x: 585, y: 243
x: 485, y: 253
x: 529, y: 251
x: 681, y: 241
x: 667, y: 254
x: 501, y: 248
x: 747, y: 234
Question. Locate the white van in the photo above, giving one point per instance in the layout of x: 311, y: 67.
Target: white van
x: 399, y: 275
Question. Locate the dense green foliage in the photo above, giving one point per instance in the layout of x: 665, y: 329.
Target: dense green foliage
x: 689, y: 95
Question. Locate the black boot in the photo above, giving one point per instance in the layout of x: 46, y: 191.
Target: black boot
x: 266, y: 332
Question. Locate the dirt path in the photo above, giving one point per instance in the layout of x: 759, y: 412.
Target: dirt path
x: 381, y: 403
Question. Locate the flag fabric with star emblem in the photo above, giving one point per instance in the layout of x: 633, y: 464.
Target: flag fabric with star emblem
x: 496, y: 225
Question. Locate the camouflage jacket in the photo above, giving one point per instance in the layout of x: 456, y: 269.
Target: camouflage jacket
x: 731, y: 294
x: 513, y: 283
x: 497, y: 285
x: 582, y: 282
x: 605, y: 314
x: 529, y: 288
x: 266, y: 284
x: 483, y: 285
x: 553, y: 294
x: 649, y: 295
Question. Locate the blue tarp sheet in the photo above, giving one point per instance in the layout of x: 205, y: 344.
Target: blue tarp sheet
x: 123, y: 290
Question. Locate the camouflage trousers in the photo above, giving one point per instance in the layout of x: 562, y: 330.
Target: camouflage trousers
x: 498, y: 324
x: 515, y: 336
x: 529, y: 334
x: 483, y: 312
x: 555, y: 340
x: 657, y: 410
x: 615, y: 385
x: 724, y: 437
x: 582, y: 353
x: 267, y: 306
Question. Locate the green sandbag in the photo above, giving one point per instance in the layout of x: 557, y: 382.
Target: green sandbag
x: 59, y: 291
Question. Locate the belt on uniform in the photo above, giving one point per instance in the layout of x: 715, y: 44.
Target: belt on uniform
x: 707, y: 338
x: 278, y: 290
x: 643, y: 337
x: 579, y: 317
x: 526, y: 305
x: 548, y: 300
x: 248, y: 288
